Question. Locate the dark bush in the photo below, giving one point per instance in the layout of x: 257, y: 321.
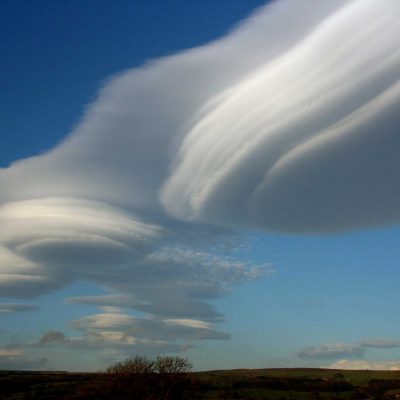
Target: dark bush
x: 140, y: 378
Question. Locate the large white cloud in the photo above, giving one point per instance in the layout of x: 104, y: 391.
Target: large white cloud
x: 289, y: 123
x: 309, y: 140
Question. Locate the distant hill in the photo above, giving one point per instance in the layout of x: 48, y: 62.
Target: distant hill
x: 250, y: 384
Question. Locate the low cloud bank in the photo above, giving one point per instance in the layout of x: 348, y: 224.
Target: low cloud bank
x: 346, y: 350
x: 366, y: 365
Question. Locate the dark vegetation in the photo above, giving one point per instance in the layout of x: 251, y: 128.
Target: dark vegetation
x: 169, y: 378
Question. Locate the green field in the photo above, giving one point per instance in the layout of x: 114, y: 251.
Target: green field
x: 263, y: 384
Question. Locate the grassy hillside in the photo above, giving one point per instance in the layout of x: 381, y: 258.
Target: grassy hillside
x: 263, y: 384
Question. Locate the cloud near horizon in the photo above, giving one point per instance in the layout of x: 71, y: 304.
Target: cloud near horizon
x: 365, y: 365
x: 294, y: 130
x: 344, y: 351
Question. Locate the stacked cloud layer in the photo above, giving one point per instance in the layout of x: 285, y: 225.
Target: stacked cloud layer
x: 308, y: 141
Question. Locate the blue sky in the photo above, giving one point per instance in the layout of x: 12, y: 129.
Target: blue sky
x: 236, y: 203
x: 59, y: 54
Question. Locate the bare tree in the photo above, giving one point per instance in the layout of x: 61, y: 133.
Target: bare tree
x: 140, y: 378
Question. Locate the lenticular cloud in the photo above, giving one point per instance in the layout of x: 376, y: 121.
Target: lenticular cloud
x: 289, y: 123
x: 309, y: 140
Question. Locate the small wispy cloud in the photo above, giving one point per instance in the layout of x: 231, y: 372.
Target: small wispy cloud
x: 16, y: 359
x: 381, y: 343
x: 52, y: 336
x: 331, y: 351
x: 11, y: 308
x: 346, y: 350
